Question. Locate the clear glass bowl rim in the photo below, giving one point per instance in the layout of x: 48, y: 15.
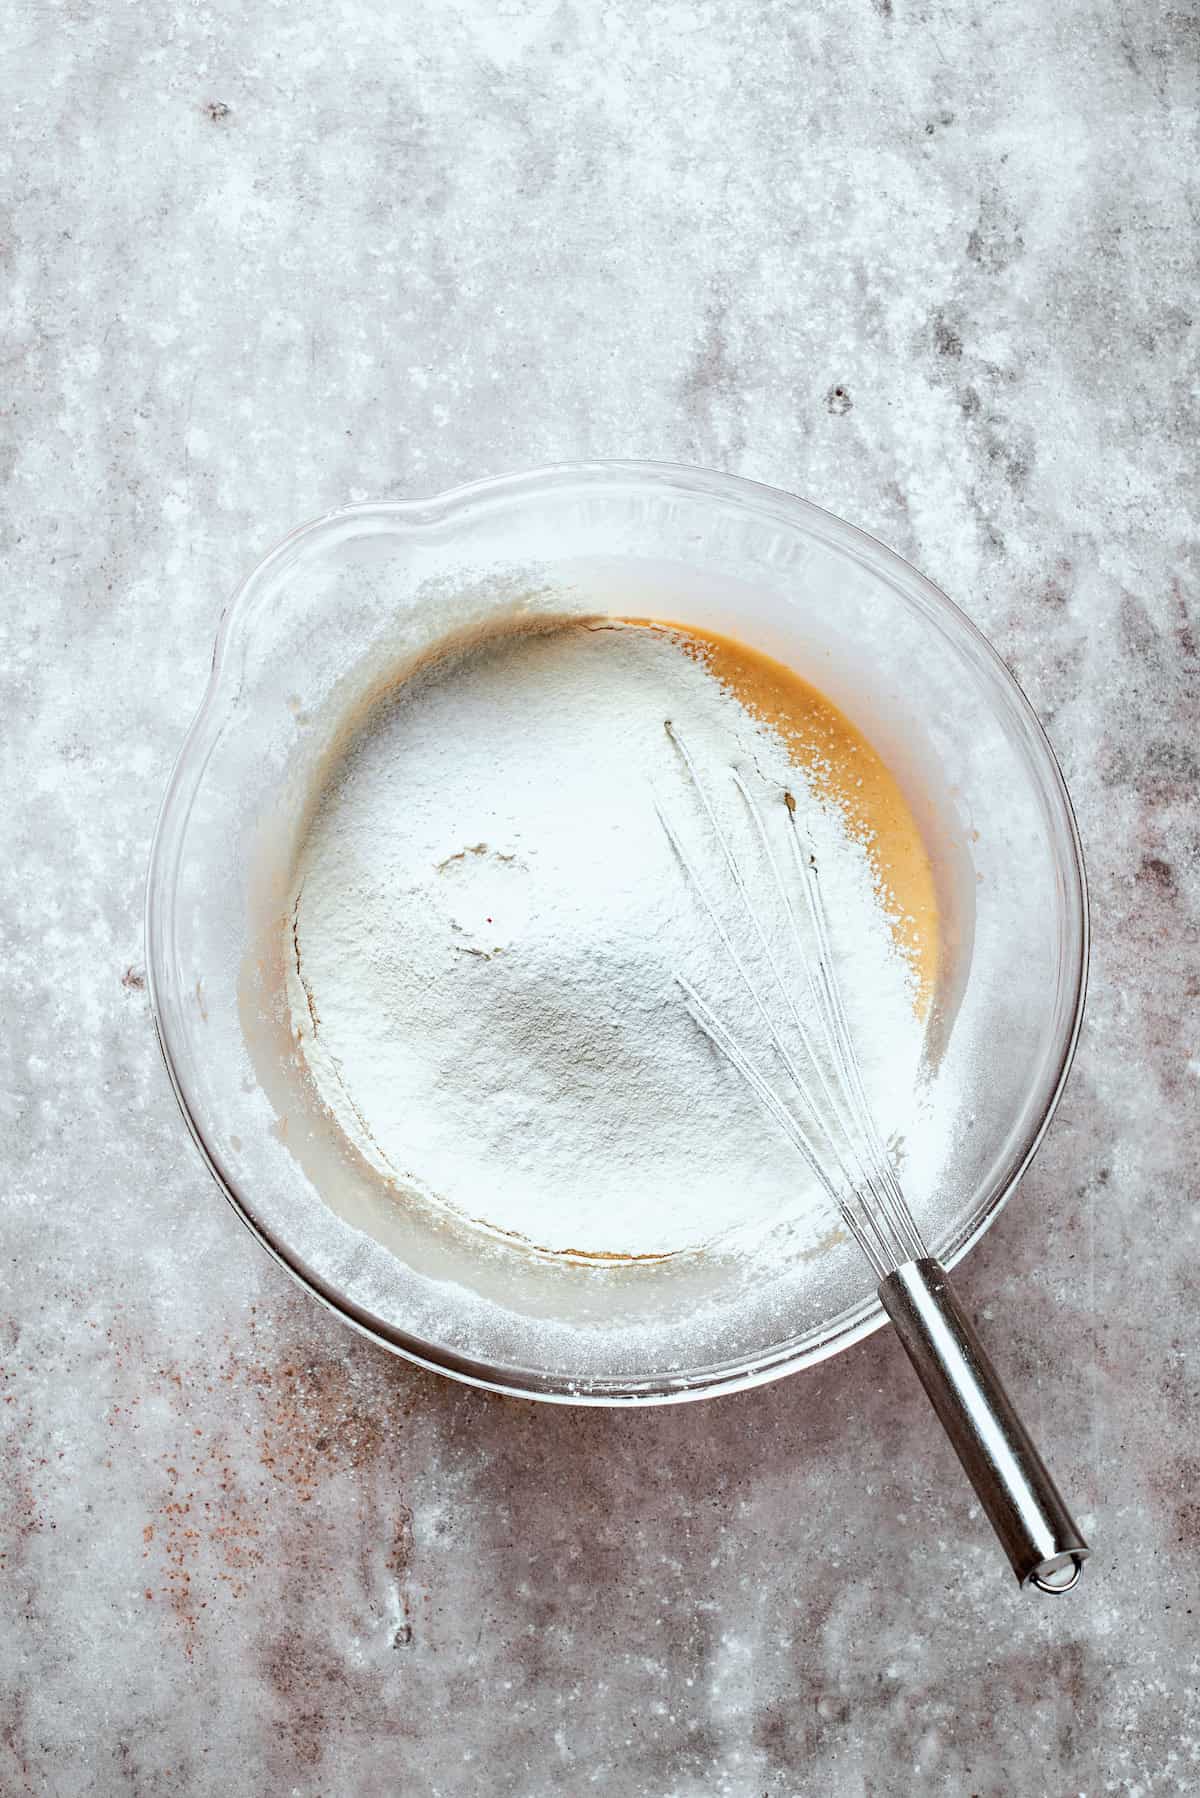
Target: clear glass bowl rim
x: 787, y: 509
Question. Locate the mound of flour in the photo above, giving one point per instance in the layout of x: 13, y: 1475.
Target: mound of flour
x: 486, y: 927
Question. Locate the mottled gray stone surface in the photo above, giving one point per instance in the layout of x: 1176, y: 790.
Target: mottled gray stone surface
x: 931, y: 266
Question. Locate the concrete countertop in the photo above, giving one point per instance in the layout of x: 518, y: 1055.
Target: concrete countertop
x: 933, y: 268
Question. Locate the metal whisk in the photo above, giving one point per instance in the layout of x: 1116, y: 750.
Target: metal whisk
x: 828, y: 1119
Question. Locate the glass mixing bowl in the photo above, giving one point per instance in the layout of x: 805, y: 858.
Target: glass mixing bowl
x: 343, y: 603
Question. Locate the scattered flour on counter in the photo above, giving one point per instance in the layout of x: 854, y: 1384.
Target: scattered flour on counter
x: 486, y: 926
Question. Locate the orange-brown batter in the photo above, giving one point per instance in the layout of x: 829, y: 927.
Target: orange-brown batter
x: 844, y: 768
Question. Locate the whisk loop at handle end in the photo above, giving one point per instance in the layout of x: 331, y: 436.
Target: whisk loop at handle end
x: 1010, y: 1478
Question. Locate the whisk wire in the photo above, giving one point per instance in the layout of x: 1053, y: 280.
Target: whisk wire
x: 866, y: 1192
x: 747, y: 979
x: 735, y: 872
x: 876, y: 1251
x: 817, y: 1115
x: 843, y: 1042
x: 872, y: 1167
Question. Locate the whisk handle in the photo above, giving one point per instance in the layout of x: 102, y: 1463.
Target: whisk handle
x: 1022, y: 1502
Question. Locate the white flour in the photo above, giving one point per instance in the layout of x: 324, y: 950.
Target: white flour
x: 488, y: 919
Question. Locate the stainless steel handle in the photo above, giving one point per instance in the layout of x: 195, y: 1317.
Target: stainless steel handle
x: 1010, y: 1479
